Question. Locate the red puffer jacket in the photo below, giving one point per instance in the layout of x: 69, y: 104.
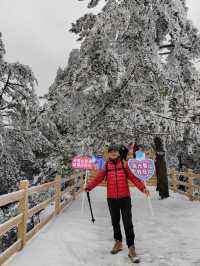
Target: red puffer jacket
x: 117, y: 180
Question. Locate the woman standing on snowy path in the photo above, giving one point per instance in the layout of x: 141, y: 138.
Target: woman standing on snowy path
x: 118, y: 197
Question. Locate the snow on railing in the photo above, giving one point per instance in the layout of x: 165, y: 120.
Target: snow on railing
x: 63, y: 196
x: 187, y: 183
x: 58, y: 200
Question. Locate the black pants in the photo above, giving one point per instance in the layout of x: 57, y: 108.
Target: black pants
x: 123, y: 205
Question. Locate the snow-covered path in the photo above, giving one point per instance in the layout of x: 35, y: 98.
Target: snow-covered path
x: 171, y: 238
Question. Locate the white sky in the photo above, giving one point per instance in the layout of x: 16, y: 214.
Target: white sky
x: 35, y: 33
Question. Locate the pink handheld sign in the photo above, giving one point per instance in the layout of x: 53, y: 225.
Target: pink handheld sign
x: 83, y: 162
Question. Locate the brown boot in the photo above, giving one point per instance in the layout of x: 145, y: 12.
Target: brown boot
x: 117, y: 247
x: 132, y: 254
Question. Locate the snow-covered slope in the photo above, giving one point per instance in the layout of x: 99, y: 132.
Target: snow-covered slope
x: 171, y: 238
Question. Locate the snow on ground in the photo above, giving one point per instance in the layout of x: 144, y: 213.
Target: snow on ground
x: 170, y: 238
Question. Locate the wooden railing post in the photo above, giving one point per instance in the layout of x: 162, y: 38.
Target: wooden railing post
x: 173, y: 174
x: 190, y: 182
x: 74, y: 189
x: 57, y: 194
x: 23, y: 207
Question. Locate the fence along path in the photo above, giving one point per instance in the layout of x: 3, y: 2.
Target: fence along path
x: 191, y: 190
x: 151, y: 182
x: 190, y: 187
x: 74, y: 187
x: 56, y: 195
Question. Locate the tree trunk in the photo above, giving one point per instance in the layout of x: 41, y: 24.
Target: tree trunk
x: 161, y: 169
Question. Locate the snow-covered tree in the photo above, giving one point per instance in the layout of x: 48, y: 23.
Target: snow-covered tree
x: 26, y: 138
x: 136, y: 73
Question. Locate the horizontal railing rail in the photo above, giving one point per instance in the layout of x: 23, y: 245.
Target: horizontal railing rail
x: 186, y: 186
x: 55, y: 201
x: 151, y: 182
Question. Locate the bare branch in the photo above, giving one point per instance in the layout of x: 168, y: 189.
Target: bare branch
x: 169, y: 45
x: 152, y: 133
x: 165, y: 117
x: 6, y: 85
x: 15, y: 84
x: 20, y: 92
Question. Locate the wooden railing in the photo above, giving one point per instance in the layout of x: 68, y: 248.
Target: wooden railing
x: 58, y: 203
x: 21, y: 196
x: 187, y: 187
x: 151, y: 182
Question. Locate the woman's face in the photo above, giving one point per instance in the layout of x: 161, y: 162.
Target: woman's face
x: 113, y: 154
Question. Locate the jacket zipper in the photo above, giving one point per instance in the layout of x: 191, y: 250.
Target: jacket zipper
x: 116, y: 179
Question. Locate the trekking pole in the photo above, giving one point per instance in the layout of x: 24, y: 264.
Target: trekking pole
x: 83, y: 198
x: 88, y: 196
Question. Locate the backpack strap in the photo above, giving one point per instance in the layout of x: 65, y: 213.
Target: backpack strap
x: 124, y: 169
x: 106, y: 170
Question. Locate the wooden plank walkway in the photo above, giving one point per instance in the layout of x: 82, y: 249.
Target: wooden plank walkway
x: 171, y: 238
